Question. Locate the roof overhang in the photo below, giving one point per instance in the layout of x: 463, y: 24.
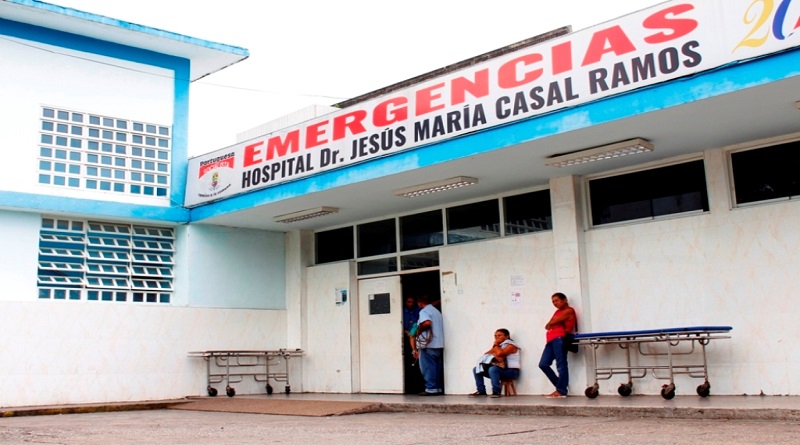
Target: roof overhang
x: 206, y: 57
x: 724, y: 108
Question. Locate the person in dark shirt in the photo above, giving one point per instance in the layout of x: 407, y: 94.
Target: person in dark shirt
x: 413, y: 379
x: 410, y: 314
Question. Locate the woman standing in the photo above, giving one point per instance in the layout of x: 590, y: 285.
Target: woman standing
x: 561, y: 323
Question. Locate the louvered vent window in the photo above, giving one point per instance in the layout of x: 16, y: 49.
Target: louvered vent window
x: 101, y: 261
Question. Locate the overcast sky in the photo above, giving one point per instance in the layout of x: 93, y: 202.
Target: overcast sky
x: 323, y: 51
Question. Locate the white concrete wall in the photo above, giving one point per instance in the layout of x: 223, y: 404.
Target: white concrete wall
x: 59, y: 77
x: 65, y: 352
x: 230, y: 268
x: 19, y: 260
x: 476, y: 300
x: 301, y: 115
x: 729, y: 267
x: 58, y: 352
x: 329, y: 353
x: 734, y: 267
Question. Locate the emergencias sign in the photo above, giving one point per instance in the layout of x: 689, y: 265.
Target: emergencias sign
x: 667, y: 41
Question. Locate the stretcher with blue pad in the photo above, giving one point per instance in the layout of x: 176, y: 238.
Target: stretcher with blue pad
x: 660, y: 345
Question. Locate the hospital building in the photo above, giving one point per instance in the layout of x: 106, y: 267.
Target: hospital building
x: 648, y: 167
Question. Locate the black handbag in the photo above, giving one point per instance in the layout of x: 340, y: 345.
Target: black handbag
x: 569, y: 344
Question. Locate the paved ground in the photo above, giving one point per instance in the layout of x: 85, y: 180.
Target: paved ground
x: 777, y: 408
x: 452, y: 419
x: 201, y: 428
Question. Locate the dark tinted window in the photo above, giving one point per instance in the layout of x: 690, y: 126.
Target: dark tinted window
x: 766, y: 173
x: 334, y: 245
x: 421, y: 230
x: 529, y: 212
x: 473, y: 222
x: 382, y: 265
x: 376, y: 238
x: 650, y: 193
x: 419, y: 260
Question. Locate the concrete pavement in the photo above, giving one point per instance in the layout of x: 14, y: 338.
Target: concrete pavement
x: 777, y: 408
x: 178, y: 427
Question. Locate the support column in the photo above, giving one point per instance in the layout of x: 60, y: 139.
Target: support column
x: 570, y: 257
x: 719, y: 195
x: 569, y: 247
x: 299, y: 255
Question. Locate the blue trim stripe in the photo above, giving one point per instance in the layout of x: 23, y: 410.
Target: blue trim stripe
x: 49, y: 203
x: 87, y: 44
x: 680, y: 91
x: 180, y: 134
x: 178, y: 65
x: 131, y: 26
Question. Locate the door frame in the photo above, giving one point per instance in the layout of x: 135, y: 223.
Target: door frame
x: 357, y: 352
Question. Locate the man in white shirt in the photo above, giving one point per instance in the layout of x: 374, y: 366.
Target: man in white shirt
x: 428, y: 346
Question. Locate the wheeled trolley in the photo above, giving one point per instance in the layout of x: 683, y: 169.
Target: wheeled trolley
x: 232, y: 366
x: 657, y: 343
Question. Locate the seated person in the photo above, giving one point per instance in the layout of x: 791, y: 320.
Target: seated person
x: 501, y: 362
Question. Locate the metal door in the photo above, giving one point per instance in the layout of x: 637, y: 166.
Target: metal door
x: 380, y: 335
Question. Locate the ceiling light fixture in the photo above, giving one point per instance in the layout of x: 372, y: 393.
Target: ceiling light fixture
x: 305, y: 214
x: 437, y: 186
x: 615, y: 150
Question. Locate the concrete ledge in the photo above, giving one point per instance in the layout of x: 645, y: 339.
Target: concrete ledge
x: 88, y: 408
x: 642, y: 407
x: 598, y: 411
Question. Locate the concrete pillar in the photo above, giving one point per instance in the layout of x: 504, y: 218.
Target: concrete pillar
x: 570, y: 257
x: 569, y: 248
x: 299, y: 255
x: 719, y: 196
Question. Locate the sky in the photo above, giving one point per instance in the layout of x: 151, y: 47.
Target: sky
x: 309, y: 52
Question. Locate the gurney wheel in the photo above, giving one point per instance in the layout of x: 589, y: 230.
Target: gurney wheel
x: 211, y: 391
x: 668, y: 391
x: 704, y: 390
x: 625, y: 389
x: 592, y: 392
x: 269, y: 389
x: 230, y: 391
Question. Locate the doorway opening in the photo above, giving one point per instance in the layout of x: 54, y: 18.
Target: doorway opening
x: 414, y: 285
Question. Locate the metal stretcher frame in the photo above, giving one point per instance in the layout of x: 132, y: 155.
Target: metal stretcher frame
x: 232, y: 366
x: 659, y: 343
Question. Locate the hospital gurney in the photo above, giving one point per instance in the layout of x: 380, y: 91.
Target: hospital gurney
x: 657, y: 343
x: 232, y: 366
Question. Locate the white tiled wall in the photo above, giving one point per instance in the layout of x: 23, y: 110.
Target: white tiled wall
x: 477, y: 284
x: 728, y: 267
x: 328, y: 364
x: 57, y: 352
x: 739, y: 271
x: 86, y: 352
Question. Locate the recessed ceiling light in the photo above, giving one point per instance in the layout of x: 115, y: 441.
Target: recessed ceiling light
x: 436, y: 186
x: 615, y: 150
x: 305, y: 214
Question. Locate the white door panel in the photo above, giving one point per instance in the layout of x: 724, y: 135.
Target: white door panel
x: 380, y: 335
